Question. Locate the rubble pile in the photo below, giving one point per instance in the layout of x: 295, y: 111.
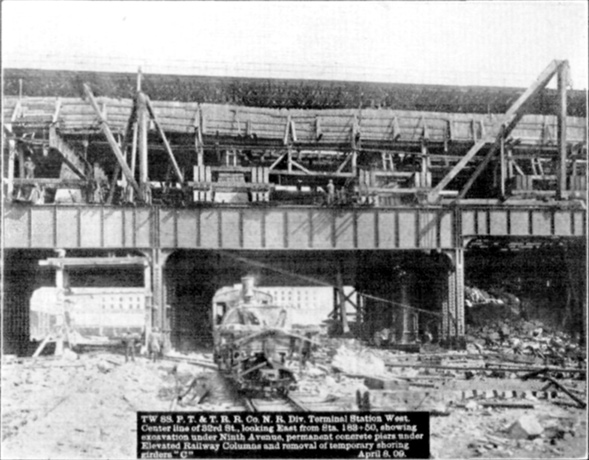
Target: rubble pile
x: 93, y: 397
x: 531, y: 339
x: 474, y: 296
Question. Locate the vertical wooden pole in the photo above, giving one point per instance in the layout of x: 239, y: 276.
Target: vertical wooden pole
x: 21, y: 163
x: 503, y: 167
x: 11, y: 161
x: 342, y: 302
x: 143, y: 121
x: 60, y: 285
x: 139, y: 78
x: 562, y: 128
x: 199, y: 150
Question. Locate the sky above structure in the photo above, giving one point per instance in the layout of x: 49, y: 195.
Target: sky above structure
x: 451, y: 43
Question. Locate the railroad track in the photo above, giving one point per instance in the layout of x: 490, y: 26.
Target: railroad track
x: 284, y: 403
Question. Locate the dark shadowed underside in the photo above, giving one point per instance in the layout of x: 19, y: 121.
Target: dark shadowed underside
x: 283, y: 93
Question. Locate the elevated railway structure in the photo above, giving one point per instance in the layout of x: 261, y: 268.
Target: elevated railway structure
x: 346, y: 188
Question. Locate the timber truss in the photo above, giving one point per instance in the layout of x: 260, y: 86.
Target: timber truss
x: 119, y: 151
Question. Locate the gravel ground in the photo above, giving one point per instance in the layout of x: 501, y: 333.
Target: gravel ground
x: 84, y: 408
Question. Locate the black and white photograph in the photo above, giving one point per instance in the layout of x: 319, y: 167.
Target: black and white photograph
x: 294, y: 229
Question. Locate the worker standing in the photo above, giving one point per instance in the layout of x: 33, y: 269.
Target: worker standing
x: 330, y: 192
x: 155, y: 344
x: 29, y: 167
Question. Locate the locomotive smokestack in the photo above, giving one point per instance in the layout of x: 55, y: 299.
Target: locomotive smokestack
x: 248, y: 283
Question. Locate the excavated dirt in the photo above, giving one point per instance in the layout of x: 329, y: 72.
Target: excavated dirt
x: 84, y: 406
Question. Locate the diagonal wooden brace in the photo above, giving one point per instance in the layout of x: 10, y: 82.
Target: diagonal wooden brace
x: 111, y: 140
x: 512, y: 117
x: 165, y: 140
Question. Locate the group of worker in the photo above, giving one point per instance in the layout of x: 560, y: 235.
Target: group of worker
x: 338, y: 196
x: 155, y: 345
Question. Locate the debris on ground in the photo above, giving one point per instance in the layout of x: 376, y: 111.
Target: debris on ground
x: 525, y: 427
x: 517, y: 389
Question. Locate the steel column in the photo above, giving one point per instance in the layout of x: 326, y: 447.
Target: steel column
x: 453, y: 297
x: 159, y: 318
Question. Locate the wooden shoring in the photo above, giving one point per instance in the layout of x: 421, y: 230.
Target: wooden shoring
x: 11, y: 163
x: 514, y: 114
x: 562, y: 131
x: 342, y: 301
x: 299, y: 166
x: 55, y: 117
x: 164, y: 140
x: 17, y: 111
x: 142, y: 121
x: 65, y: 151
x: 111, y: 140
x: 128, y: 133
x: 435, y: 192
x: 345, y: 162
x: 503, y: 168
x: 278, y: 160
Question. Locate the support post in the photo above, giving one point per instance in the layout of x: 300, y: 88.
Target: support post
x: 143, y: 121
x: 21, y: 163
x: 406, y: 334
x: 562, y: 130
x: 342, y: 302
x: 453, y: 298
x: 503, y: 168
x: 147, y: 286
x: 160, y: 315
x: 11, y: 161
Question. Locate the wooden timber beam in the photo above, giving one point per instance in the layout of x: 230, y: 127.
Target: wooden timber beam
x: 66, y: 152
x: 57, y: 110
x: 51, y: 182
x: 562, y: 130
x: 345, y: 162
x: 435, y: 192
x: 512, y: 116
x: 128, y: 132
x: 111, y: 140
x: 11, y: 160
x: 93, y: 261
x: 165, y: 140
x: 143, y: 127
x: 515, y: 112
